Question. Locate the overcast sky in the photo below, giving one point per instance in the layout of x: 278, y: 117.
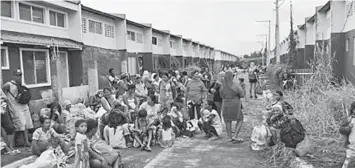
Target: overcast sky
x: 228, y: 25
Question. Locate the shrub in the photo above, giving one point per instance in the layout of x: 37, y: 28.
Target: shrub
x: 320, y: 106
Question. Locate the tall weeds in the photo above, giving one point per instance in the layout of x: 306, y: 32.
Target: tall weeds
x: 321, y: 105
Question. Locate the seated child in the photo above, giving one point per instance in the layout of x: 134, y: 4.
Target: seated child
x: 81, y: 145
x: 179, y: 125
x: 116, y: 132
x: 140, y: 130
x: 210, y: 122
x: 51, y: 157
x: 43, y: 135
x: 166, y: 135
x: 350, y: 141
x: 101, y: 154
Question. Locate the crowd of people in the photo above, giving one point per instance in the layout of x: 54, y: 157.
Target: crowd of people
x: 133, y: 111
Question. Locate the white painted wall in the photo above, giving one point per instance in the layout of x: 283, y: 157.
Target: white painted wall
x: 173, y: 52
x: 217, y: 55
x: 310, y: 33
x: 321, y: 26
x: 195, y: 50
x: 301, y: 38
x: 98, y: 40
x: 350, y: 23
x: 327, y: 25
x: 17, y: 25
x: 133, y: 46
x: 158, y: 49
x: 337, y: 16
x: 121, y: 30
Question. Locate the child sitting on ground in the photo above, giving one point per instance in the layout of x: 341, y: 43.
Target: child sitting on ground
x: 350, y: 137
x: 166, y: 134
x: 210, y: 122
x: 101, y: 154
x: 116, y: 132
x: 140, y: 130
x: 81, y: 145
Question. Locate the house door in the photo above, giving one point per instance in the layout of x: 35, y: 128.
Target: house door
x: 63, y: 69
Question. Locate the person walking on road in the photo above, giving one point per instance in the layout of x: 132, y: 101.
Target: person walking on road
x: 253, y: 79
x: 231, y: 93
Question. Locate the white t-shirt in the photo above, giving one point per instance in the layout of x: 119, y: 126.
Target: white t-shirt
x: 115, y: 138
x: 152, y: 111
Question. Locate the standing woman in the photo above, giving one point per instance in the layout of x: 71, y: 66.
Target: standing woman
x: 215, y: 87
x: 253, y: 74
x: 231, y: 93
x: 196, y: 94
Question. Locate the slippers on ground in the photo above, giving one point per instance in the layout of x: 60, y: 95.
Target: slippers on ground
x: 148, y: 149
x: 236, y: 141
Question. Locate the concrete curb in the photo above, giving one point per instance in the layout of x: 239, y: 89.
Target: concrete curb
x: 21, y: 162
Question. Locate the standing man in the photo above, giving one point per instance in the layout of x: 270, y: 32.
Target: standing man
x: 21, y: 116
x: 112, y: 77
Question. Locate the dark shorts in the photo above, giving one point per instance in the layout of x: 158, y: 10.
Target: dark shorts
x: 6, y: 123
x: 253, y: 80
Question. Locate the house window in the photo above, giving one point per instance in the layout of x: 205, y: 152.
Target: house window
x: 31, y: 13
x: 95, y: 27
x: 56, y: 19
x: 154, y: 41
x: 83, y: 24
x: 172, y: 44
x: 139, y: 38
x: 4, y: 58
x: 347, y: 45
x: 6, y: 9
x: 131, y: 35
x: 35, y: 66
x: 160, y: 42
x: 109, y: 31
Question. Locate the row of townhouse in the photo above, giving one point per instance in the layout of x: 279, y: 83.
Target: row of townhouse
x: 65, y: 49
x: 332, y: 30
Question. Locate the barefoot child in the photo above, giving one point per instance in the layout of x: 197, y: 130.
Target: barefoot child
x: 140, y: 130
x: 81, y: 145
x: 166, y: 134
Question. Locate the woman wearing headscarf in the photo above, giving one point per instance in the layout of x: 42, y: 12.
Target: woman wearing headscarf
x: 231, y: 93
x: 214, y: 89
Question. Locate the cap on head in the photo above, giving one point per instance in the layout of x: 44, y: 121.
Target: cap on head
x: 17, y: 72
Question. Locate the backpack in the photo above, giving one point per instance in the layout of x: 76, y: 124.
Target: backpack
x: 292, y: 133
x: 23, y: 94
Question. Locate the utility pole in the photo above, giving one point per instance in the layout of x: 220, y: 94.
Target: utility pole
x: 277, y: 33
x: 268, y: 48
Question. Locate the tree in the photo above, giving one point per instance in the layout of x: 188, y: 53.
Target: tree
x: 293, y: 43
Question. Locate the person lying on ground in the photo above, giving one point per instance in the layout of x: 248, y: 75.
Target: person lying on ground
x: 42, y: 136
x: 101, y: 154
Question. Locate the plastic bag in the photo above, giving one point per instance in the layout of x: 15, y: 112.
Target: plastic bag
x: 260, y: 137
x: 307, y: 146
x: 48, y: 159
x: 258, y: 90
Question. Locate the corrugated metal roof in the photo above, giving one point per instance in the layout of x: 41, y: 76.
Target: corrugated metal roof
x: 31, y: 39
